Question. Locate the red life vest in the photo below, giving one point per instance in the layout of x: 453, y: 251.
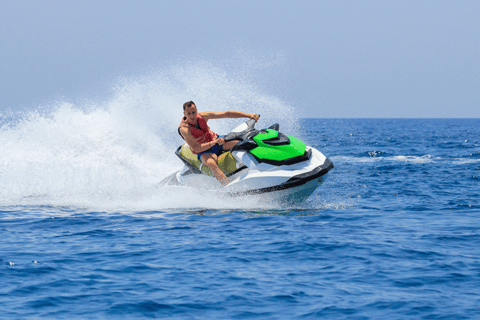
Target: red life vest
x: 201, y: 132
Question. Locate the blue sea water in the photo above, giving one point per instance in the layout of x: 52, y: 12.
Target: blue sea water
x: 394, y: 232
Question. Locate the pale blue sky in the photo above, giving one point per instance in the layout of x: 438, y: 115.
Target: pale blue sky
x: 332, y: 58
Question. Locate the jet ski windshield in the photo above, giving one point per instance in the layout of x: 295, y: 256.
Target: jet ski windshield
x: 239, y: 132
x: 244, y: 127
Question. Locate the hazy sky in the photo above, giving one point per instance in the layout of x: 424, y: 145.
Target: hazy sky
x: 332, y: 58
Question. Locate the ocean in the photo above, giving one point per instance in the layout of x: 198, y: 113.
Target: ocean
x: 394, y: 231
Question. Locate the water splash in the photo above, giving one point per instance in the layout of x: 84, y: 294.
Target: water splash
x: 113, y: 153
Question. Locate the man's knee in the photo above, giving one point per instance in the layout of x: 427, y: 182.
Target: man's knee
x: 209, y: 161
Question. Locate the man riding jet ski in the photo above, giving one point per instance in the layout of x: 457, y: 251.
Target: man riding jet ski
x: 260, y: 162
x: 202, y: 141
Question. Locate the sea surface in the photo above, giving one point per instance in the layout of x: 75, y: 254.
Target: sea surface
x: 393, y: 233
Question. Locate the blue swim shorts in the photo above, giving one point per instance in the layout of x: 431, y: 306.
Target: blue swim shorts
x: 217, y: 149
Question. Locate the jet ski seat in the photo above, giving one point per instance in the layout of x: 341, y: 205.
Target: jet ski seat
x: 226, y: 162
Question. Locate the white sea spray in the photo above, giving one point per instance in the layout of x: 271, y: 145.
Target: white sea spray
x: 113, y: 153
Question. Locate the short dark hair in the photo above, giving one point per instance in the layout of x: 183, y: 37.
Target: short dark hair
x: 188, y: 104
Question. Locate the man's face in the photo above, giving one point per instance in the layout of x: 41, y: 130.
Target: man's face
x: 191, y: 113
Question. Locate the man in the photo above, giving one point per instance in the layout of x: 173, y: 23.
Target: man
x: 204, y: 142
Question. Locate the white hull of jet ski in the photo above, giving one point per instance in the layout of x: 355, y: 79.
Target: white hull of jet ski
x: 286, y: 183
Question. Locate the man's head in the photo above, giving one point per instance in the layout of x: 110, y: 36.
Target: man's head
x: 188, y: 104
x: 190, y: 110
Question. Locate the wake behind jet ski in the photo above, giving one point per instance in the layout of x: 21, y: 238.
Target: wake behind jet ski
x: 263, y: 162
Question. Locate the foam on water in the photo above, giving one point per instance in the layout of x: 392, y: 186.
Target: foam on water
x: 466, y: 161
x: 414, y: 159
x: 113, y: 153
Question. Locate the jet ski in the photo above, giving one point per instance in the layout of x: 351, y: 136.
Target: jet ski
x: 265, y: 163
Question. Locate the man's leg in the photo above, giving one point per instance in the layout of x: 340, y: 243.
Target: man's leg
x: 210, y: 159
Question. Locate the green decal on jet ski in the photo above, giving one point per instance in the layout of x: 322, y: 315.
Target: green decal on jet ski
x: 267, y: 151
x: 267, y: 134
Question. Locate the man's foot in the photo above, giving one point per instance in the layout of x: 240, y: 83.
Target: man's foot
x: 224, y: 181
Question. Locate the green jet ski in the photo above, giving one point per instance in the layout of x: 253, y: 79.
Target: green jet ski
x: 264, y: 162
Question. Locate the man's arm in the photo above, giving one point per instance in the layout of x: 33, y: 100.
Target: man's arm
x: 207, y: 115
x: 192, y: 142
